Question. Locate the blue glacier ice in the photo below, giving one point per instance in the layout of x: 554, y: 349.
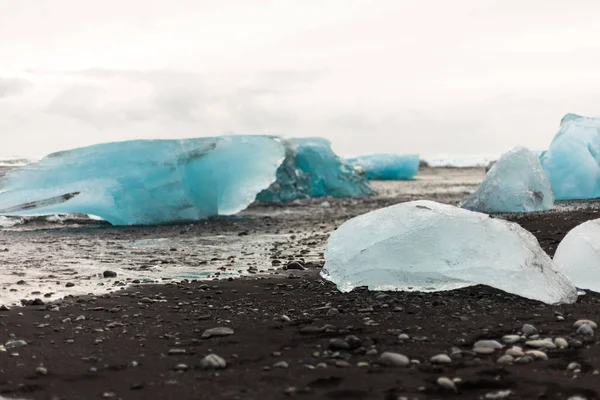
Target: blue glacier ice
x: 146, y: 181
x: 515, y: 183
x: 573, y: 158
x: 427, y: 246
x: 312, y: 169
x: 388, y: 166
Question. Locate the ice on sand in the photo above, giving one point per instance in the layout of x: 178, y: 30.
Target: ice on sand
x: 388, y: 166
x: 427, y: 246
x: 312, y: 169
x: 573, y: 158
x: 146, y: 181
x: 578, y: 255
x: 515, y: 183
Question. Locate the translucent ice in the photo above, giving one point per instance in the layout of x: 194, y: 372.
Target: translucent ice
x: 515, y: 183
x: 573, y: 158
x: 578, y: 255
x: 427, y: 246
x: 312, y: 169
x: 146, y: 181
x: 388, y: 166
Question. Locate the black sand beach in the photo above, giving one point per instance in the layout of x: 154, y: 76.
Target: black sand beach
x: 291, y: 334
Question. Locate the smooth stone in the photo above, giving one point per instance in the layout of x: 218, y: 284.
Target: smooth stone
x: 213, y: 361
x: 217, y: 332
x: 561, y: 343
x: 489, y: 344
x: 403, y: 336
x: 515, y: 352
x: 446, y: 383
x: 573, y: 366
x: 524, y: 360
x: 541, y: 344
x: 394, y: 359
x: 585, y: 330
x: 537, y: 354
x: 529, y: 330
x: 338, y: 344
x: 505, y: 359
x: 441, y: 359
x: 484, y: 350
x: 281, y: 364
x: 13, y: 344
x: 511, y: 339
x: 580, y: 322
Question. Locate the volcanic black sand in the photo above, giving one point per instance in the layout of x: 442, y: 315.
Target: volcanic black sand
x: 146, y: 342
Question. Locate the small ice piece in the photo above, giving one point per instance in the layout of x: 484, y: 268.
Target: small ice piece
x: 578, y: 255
x: 388, y: 166
x: 426, y: 246
x: 146, y: 181
x: 515, y: 183
x: 573, y: 158
x: 312, y: 169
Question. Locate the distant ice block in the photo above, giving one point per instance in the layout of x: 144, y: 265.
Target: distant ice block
x: 146, y: 181
x: 312, y: 169
x: 573, y: 158
x: 427, y: 246
x: 515, y: 183
x: 578, y: 255
x: 388, y: 166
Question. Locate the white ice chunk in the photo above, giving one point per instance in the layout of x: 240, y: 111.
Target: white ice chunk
x: 578, y: 255
x: 427, y: 246
x: 515, y: 183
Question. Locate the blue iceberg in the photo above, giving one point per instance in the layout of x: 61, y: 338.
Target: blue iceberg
x: 573, y: 158
x: 515, y: 183
x: 146, y: 181
x: 312, y: 169
x: 388, y: 166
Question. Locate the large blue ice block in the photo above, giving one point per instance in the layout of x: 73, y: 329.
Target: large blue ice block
x: 312, y: 169
x: 388, y: 166
x: 146, y: 181
x: 573, y: 158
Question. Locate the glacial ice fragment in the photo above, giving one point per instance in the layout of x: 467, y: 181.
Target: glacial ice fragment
x: 146, y: 181
x: 427, y: 246
x: 312, y: 169
x: 573, y: 158
x: 388, y: 166
x: 515, y: 183
x: 578, y: 255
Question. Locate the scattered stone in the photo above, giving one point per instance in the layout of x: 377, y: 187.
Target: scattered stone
x: 338, y: 344
x: 511, y: 339
x: 515, y: 352
x: 585, y: 330
x: 529, y: 330
x: 13, y: 344
x: 537, y: 354
x: 393, y: 359
x: 281, y: 364
x: 69, y: 284
x: 4, y: 308
x: 506, y: 359
x: 342, y: 364
x: 524, y: 360
x: 295, y: 265
x: 176, y: 352
x: 573, y: 366
x: 213, y: 361
x: 446, y: 383
x: 41, y: 370
x: 580, y: 322
x: 500, y: 394
x: 483, y: 350
x: 217, y: 332
x: 561, y: 343
x: 181, y: 367
x: 441, y: 359
x: 109, y: 274
x: 403, y: 336
x: 541, y: 344
x: 488, y: 344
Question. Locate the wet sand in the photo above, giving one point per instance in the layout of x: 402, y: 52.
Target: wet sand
x: 145, y: 341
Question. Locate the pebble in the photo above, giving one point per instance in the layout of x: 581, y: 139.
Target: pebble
x: 580, y: 322
x: 176, y: 352
x: 572, y: 366
x: 41, y: 370
x: 12, y: 344
x: 488, y: 344
x: 529, y: 330
x: 446, y: 383
x: 213, y: 361
x: 181, y: 367
x: 342, y: 364
x: 281, y: 364
x: 515, y: 352
x: 511, y: 339
x: 561, y: 343
x: 524, y: 360
x: 441, y: 359
x: 403, y: 336
x: 484, y: 350
x: 109, y: 274
x: 393, y: 359
x: 217, y: 332
x: 537, y: 354
x: 506, y: 359
x: 585, y: 330
x: 338, y: 344
x: 500, y: 394
x: 541, y: 344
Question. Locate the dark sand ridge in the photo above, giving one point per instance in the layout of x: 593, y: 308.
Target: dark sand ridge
x: 121, y: 349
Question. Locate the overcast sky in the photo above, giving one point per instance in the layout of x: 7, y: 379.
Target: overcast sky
x: 460, y: 76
